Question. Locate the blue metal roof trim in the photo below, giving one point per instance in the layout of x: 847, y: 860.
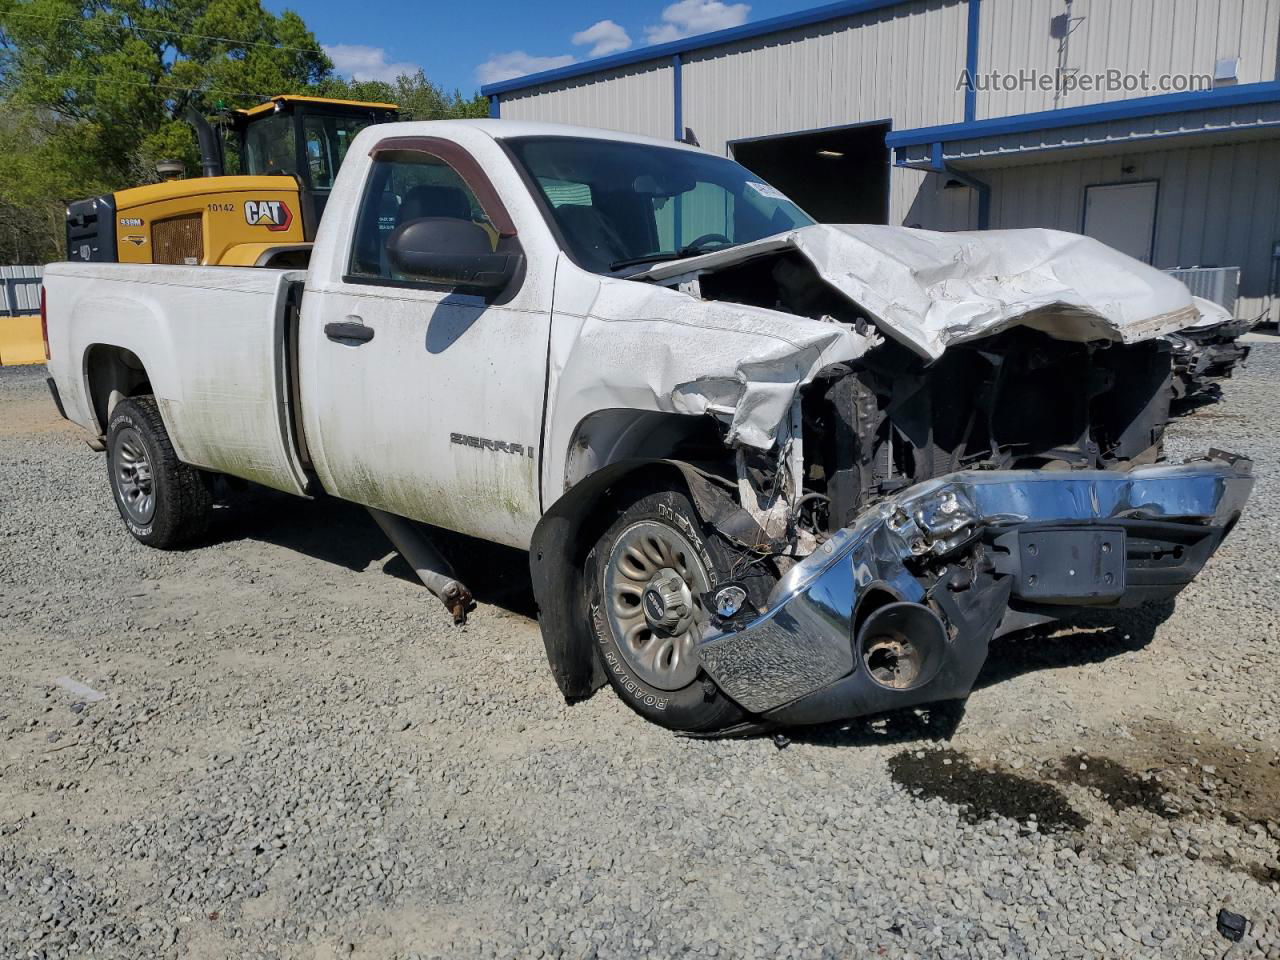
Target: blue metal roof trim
x: 973, y: 24
x: 788, y: 21
x: 1237, y: 96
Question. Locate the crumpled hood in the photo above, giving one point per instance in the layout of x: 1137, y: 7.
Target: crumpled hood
x: 930, y: 290
x: 1211, y: 314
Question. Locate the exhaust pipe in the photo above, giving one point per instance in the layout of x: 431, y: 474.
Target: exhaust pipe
x: 902, y: 645
x: 435, y: 572
x: 211, y: 156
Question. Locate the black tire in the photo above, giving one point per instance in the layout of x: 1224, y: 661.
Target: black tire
x: 694, y: 706
x: 164, y: 502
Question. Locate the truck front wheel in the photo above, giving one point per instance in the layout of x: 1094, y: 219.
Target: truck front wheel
x: 163, y: 501
x: 645, y: 580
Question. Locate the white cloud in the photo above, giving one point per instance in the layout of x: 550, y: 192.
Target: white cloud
x: 517, y: 63
x: 687, y: 17
x: 605, y: 37
x: 361, y: 62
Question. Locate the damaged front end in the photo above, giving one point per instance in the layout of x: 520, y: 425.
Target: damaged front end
x: 992, y: 460
x: 909, y: 442
x: 898, y: 608
x: 1205, y: 355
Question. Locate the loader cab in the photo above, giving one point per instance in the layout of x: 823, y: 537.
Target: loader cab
x: 306, y: 138
x: 290, y: 149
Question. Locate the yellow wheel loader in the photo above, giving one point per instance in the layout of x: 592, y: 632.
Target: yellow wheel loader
x: 290, y: 151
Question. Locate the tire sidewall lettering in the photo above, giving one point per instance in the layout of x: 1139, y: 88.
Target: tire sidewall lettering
x: 613, y: 663
x: 693, y: 534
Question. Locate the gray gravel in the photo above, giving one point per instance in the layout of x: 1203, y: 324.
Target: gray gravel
x: 298, y: 755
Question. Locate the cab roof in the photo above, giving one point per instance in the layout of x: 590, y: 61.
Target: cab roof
x: 287, y: 98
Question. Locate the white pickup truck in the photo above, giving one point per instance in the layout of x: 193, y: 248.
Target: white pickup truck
x: 768, y: 471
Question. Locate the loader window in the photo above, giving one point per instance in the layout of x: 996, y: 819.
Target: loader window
x: 327, y: 140
x: 269, y: 146
x: 402, y: 190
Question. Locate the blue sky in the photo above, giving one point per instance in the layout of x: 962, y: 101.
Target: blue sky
x: 464, y: 45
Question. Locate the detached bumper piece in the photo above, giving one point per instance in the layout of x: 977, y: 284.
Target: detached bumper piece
x: 898, y: 609
x: 1202, y: 357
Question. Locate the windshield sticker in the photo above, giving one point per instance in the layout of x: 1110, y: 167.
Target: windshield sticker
x: 773, y: 193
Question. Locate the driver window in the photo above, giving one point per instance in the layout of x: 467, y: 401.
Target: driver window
x: 402, y: 190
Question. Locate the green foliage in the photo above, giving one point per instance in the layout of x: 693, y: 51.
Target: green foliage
x: 418, y: 97
x: 93, y: 93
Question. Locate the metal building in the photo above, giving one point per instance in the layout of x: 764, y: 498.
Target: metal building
x: 1151, y: 124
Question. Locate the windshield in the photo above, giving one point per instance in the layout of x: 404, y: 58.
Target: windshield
x: 269, y: 146
x: 619, y: 205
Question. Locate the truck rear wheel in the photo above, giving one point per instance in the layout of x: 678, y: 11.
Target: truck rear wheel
x: 645, y: 579
x: 164, y: 502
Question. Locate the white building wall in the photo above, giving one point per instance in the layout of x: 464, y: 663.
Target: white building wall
x: 1218, y: 206
x: 1159, y: 36
x: 636, y: 99
x: 901, y: 63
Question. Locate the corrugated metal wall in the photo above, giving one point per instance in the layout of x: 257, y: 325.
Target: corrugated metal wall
x: 1217, y: 206
x: 636, y: 99
x: 901, y: 63
x: 1159, y: 36
x: 16, y: 298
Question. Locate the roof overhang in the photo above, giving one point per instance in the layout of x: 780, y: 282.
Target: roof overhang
x: 1247, y: 111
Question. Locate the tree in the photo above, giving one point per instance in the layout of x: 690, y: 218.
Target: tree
x: 39, y: 164
x: 94, y: 92
x: 125, y: 71
x: 418, y: 97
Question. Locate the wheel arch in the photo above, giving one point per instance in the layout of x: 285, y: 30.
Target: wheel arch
x: 560, y: 544
x: 616, y: 434
x: 112, y: 373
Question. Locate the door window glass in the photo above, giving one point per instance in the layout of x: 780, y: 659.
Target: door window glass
x: 402, y: 190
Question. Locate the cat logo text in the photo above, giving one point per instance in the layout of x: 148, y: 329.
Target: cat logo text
x: 273, y: 214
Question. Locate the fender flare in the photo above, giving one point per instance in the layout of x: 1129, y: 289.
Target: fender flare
x: 557, y: 551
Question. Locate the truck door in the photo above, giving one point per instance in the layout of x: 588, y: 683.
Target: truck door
x: 420, y: 400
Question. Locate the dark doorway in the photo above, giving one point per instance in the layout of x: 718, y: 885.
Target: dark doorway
x: 839, y: 175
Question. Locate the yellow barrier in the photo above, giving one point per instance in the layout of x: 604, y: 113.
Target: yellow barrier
x: 21, y: 340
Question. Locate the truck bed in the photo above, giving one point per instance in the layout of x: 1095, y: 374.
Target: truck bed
x: 213, y: 342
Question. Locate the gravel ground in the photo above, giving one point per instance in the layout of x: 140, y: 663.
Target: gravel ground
x: 296, y: 754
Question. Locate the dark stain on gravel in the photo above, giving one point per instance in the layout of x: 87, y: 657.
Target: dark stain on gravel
x: 981, y: 793
x: 1119, y: 786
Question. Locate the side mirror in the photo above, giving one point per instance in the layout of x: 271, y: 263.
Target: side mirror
x: 451, y: 253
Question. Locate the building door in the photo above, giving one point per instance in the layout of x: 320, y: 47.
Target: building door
x: 839, y: 175
x: 1123, y: 215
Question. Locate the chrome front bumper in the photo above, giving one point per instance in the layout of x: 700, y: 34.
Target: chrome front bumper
x: 961, y: 546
